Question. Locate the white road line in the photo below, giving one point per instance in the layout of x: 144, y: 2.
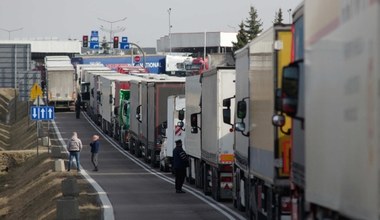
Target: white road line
x: 218, y: 206
x: 106, y: 203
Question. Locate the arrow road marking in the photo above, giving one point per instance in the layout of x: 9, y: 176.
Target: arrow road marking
x: 42, y: 112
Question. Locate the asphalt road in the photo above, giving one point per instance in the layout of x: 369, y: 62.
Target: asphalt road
x: 135, y: 190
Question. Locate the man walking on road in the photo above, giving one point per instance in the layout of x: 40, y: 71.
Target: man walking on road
x: 180, y: 162
x: 74, y: 146
x: 94, y: 151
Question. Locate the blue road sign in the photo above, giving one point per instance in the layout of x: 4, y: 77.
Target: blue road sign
x: 124, y: 45
x: 94, y: 45
x: 42, y: 113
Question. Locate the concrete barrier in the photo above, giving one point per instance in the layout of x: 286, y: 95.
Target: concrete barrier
x: 70, y: 187
x: 68, y: 208
x: 68, y: 205
x: 59, y: 165
x: 56, y: 151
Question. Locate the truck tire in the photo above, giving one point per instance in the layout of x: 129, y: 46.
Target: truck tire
x: 252, y: 208
x: 153, y: 161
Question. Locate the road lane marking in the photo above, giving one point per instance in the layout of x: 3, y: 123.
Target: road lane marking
x: 106, y: 203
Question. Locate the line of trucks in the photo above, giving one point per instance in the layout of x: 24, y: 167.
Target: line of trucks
x: 291, y: 132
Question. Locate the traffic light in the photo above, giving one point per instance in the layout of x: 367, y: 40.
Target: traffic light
x: 85, y: 41
x: 115, y: 42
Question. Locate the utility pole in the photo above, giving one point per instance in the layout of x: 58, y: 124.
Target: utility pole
x: 10, y: 31
x: 170, y: 31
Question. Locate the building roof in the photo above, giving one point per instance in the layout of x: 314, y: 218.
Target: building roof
x: 49, y: 46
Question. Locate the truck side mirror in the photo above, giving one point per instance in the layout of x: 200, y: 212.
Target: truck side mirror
x: 227, y: 102
x: 241, y: 109
x: 240, y: 126
x: 125, y: 109
x: 181, y: 114
x: 278, y: 120
x: 227, y: 116
x: 116, y: 111
x: 181, y: 124
x: 110, y: 100
x: 194, y: 123
x: 290, y: 79
x: 138, y: 113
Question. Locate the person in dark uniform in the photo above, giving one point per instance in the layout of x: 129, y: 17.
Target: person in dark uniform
x: 77, y: 107
x: 180, y: 162
x: 94, y: 151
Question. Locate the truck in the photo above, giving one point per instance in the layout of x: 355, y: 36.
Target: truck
x: 108, y: 91
x: 95, y: 98
x: 175, y: 65
x: 197, y: 66
x: 192, y: 141
x: 135, y: 129
x: 128, y: 69
x: 300, y: 209
x: 174, y: 130
x: 262, y: 152
x: 84, y: 84
x: 60, y: 80
x: 154, y: 94
x: 217, y: 155
x: 122, y: 111
x: 334, y: 94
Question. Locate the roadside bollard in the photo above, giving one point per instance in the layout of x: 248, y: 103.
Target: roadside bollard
x: 68, y: 206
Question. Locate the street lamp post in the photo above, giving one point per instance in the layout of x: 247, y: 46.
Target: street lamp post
x: 290, y: 17
x: 10, y: 31
x: 170, y: 31
x: 111, y: 31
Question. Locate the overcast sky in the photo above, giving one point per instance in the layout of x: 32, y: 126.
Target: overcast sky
x: 147, y: 20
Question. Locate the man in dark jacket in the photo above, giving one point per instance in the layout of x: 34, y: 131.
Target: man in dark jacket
x: 77, y: 108
x: 180, y: 162
x: 94, y: 151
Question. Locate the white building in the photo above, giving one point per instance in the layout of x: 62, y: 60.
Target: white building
x: 215, y: 42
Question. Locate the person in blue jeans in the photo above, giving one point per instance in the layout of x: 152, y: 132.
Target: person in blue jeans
x: 94, y: 151
x: 74, y: 146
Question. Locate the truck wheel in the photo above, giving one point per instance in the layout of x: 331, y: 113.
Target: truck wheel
x: 252, y: 208
x: 153, y: 161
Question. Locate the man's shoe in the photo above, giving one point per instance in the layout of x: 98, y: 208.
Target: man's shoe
x: 180, y: 191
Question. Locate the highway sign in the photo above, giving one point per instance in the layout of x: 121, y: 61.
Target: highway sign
x: 42, y: 113
x: 94, y: 45
x: 35, y: 91
x: 124, y: 45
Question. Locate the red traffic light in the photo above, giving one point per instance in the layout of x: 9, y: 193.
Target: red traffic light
x: 115, y: 42
x: 85, y: 41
